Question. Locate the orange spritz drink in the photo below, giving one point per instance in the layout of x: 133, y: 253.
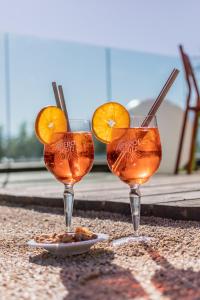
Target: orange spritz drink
x: 70, y: 157
x: 133, y: 151
x: 136, y: 155
x: 68, y: 154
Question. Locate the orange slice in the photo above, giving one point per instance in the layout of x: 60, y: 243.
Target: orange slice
x: 49, y: 121
x: 107, y: 116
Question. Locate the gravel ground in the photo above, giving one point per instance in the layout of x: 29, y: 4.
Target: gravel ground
x: 168, y: 268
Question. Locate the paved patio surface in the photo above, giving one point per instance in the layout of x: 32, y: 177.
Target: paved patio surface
x: 168, y: 196
x: 168, y: 268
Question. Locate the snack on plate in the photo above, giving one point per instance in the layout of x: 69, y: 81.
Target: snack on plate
x: 84, y: 234
x: 81, y: 234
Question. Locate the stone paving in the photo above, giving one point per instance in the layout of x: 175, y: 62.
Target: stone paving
x: 168, y: 268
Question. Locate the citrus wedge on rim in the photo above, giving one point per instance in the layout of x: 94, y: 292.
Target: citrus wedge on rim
x: 107, y: 116
x: 49, y: 121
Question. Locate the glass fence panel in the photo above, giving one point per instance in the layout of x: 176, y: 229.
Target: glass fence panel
x: 4, y: 123
x: 89, y: 75
x: 140, y: 76
x: 34, y: 64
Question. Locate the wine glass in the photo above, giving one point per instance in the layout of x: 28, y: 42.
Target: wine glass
x: 69, y: 159
x: 134, y: 155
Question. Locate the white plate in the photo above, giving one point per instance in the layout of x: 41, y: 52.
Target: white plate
x: 64, y: 249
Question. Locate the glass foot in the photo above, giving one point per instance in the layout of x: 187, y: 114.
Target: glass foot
x: 132, y: 239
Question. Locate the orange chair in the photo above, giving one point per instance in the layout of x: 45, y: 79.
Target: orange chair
x: 192, y: 85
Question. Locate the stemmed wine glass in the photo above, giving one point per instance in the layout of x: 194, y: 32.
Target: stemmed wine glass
x: 134, y: 155
x: 69, y: 159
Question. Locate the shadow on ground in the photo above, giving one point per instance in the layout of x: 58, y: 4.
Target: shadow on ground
x: 93, y: 276
x: 172, y: 282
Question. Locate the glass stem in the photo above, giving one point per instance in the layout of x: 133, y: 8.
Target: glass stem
x: 68, y: 198
x: 135, y: 197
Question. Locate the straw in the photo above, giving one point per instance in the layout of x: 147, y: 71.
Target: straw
x: 63, y: 105
x: 153, y: 109
x: 160, y: 98
x: 60, y: 101
x: 55, y: 90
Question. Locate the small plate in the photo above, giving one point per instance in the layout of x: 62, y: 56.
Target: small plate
x: 65, y: 249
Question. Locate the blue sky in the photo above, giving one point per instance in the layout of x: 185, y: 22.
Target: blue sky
x: 144, y: 36
x: 152, y: 26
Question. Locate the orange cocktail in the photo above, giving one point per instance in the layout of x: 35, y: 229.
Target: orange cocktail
x: 133, y: 151
x: 136, y: 155
x: 68, y: 150
x: 70, y: 157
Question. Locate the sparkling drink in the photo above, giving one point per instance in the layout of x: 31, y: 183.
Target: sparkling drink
x: 68, y: 147
x: 134, y: 154
x: 70, y: 157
